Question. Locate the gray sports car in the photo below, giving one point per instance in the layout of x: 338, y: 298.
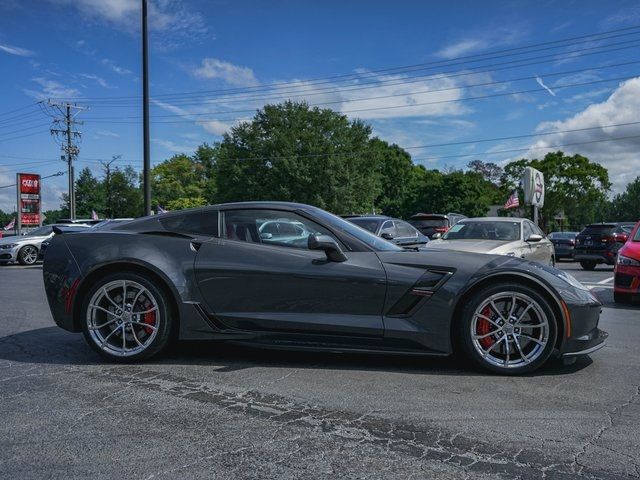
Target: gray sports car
x: 213, y: 273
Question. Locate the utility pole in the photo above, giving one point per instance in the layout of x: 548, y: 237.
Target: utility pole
x: 146, y: 184
x: 107, y: 180
x: 63, y: 130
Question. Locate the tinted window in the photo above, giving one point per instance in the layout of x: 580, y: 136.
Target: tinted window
x: 437, y: 222
x: 598, y: 230
x: 196, y: 223
x: 405, y: 230
x: 40, y: 232
x: 389, y: 227
x: 270, y: 227
x: 366, y: 223
x: 481, y: 230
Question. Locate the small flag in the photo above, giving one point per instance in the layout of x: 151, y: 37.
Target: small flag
x: 512, y: 201
x: 161, y: 210
x: 11, y: 224
x: 94, y: 215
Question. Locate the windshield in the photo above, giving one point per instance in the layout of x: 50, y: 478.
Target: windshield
x: 565, y: 235
x: 361, y: 234
x: 636, y: 237
x: 40, y: 232
x: 436, y: 222
x: 366, y: 223
x: 484, y: 230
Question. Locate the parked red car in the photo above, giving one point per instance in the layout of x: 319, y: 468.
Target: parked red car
x: 626, y: 285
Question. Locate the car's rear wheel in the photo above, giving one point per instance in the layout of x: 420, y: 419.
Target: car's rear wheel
x: 126, y: 317
x: 28, y: 255
x: 508, y: 329
x: 588, y: 264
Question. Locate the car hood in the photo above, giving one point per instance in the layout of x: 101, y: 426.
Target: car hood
x: 476, y: 246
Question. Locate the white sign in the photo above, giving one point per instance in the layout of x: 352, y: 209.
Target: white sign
x: 533, y: 186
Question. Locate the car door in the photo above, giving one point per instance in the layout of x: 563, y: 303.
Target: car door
x: 527, y: 248
x: 265, y: 282
x: 545, y: 250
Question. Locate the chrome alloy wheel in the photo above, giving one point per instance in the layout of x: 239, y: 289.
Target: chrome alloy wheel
x: 509, y: 329
x: 123, y: 318
x: 29, y: 255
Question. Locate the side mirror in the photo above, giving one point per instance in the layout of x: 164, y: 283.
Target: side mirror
x: 534, y: 238
x: 266, y: 236
x: 387, y: 236
x: 436, y: 236
x: 329, y: 245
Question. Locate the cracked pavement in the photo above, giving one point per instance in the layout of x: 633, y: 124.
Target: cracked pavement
x: 207, y: 410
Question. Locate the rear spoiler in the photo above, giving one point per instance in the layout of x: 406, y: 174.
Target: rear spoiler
x: 58, y: 230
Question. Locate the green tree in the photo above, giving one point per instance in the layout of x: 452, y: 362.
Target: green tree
x: 573, y: 184
x: 177, y: 178
x: 89, y: 194
x: 394, y: 171
x: 125, y: 197
x: 297, y: 153
x: 186, y: 202
x: 625, y: 207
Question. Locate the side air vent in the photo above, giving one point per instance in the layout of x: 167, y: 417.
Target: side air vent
x: 426, y: 286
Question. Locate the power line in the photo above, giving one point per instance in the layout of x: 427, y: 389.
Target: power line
x: 438, y: 64
x: 187, y: 116
x: 41, y: 178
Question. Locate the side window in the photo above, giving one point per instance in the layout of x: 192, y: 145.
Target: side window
x: 406, y: 231
x: 196, y: 223
x: 270, y: 227
x: 527, y: 230
x: 538, y: 230
x: 389, y: 227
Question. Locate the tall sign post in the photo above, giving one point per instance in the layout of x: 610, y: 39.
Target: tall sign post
x: 29, y: 200
x: 533, y: 186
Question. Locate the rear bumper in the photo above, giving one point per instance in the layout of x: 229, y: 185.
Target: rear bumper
x: 605, y: 257
x: 563, y: 251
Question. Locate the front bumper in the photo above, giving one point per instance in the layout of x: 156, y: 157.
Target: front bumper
x: 9, y: 254
x: 582, y: 335
x: 627, y: 279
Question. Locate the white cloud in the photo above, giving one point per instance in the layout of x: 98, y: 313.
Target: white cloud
x: 107, y: 133
x: 212, y: 68
x: 50, y: 89
x: 115, y: 67
x: 173, y: 147
x: 99, y: 80
x: 462, y: 47
x: 12, y: 50
x: 621, y: 157
x: 489, y: 37
x: 542, y: 84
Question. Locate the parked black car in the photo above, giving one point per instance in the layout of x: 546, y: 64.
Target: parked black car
x: 431, y: 223
x: 564, y: 244
x: 392, y: 229
x: 599, y: 243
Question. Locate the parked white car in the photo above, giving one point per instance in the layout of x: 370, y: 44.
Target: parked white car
x: 25, y: 248
x: 516, y: 237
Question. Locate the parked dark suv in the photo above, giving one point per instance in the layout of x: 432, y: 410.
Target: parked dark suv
x: 431, y: 223
x: 599, y: 243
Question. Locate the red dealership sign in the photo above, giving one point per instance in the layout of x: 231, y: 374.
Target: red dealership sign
x: 29, y: 199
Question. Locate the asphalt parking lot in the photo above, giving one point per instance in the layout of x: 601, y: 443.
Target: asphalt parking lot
x: 212, y: 411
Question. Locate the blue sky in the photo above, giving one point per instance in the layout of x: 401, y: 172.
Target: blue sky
x: 231, y: 53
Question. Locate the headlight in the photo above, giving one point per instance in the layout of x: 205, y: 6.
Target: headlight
x: 622, y: 260
x: 8, y: 246
x: 571, y: 280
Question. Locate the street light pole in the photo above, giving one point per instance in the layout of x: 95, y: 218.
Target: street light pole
x: 145, y: 112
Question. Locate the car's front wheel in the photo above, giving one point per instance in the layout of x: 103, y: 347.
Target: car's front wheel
x: 508, y: 329
x: 126, y: 317
x: 28, y: 255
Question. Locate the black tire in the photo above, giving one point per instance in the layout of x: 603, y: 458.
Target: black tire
x: 464, y: 325
x: 164, y: 314
x: 588, y: 264
x: 619, y: 297
x: 28, y: 255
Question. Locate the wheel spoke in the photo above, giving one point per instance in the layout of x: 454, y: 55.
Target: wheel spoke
x: 135, y: 299
x: 135, y: 337
x: 520, y: 317
x: 98, y: 327
x: 532, y: 339
x: 508, y: 348
x: 479, y: 337
x: 519, y: 347
x: 146, y: 325
x: 484, y: 317
x: 513, y: 305
x: 124, y: 338
x: 145, y: 312
x: 486, y: 352
x: 106, y: 339
x: 106, y: 295
x: 98, y: 307
x: 124, y: 294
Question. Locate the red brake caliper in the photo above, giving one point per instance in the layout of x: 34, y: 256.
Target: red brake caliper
x: 483, y: 327
x: 149, y: 319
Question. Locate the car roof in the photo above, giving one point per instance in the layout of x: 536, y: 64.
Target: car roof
x: 372, y: 217
x: 495, y: 219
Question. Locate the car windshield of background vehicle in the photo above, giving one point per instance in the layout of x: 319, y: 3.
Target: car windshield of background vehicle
x: 361, y: 234
x: 371, y: 225
x: 636, y: 237
x: 39, y: 232
x: 440, y: 222
x: 504, y: 231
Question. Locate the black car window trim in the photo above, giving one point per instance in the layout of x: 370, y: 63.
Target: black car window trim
x: 222, y: 232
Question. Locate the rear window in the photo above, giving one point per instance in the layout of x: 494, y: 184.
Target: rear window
x: 436, y: 222
x: 196, y: 223
x: 598, y: 230
x: 367, y: 224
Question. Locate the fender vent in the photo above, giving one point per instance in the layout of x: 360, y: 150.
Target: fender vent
x: 423, y: 289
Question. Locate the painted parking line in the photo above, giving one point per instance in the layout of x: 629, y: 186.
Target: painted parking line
x: 606, y: 280
x: 591, y: 286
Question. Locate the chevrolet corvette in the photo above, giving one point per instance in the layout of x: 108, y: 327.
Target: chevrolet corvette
x: 293, y: 276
